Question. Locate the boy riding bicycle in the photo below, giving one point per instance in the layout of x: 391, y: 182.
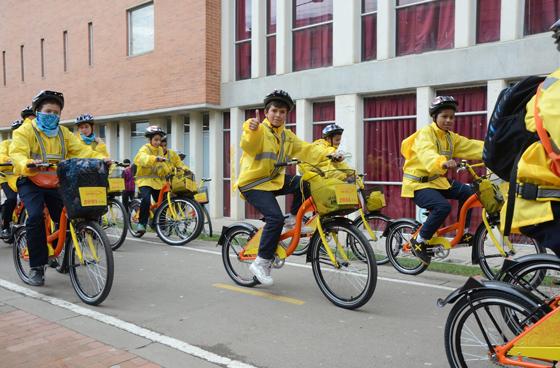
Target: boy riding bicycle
x: 38, y: 140
x: 85, y: 133
x: 260, y: 181
x: 429, y: 153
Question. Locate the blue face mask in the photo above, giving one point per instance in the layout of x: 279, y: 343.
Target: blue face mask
x: 48, y: 123
x: 86, y: 139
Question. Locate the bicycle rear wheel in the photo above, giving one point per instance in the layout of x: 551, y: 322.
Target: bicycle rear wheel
x: 115, y: 223
x: 399, y: 250
x: 180, y: 222
x: 378, y: 223
x: 134, y: 217
x: 236, y: 239
x: 350, y: 282
x: 92, y: 279
x: 207, y: 227
x: 540, y: 277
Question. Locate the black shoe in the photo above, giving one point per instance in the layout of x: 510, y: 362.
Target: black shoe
x: 37, y: 276
x: 53, y: 262
x: 5, y: 234
x: 466, y: 238
x: 420, y: 250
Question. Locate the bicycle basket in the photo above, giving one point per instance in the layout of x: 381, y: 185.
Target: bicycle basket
x: 489, y: 195
x: 116, y: 181
x: 332, y: 194
x: 375, y: 201
x: 83, y: 187
x: 202, y: 195
x: 183, y: 184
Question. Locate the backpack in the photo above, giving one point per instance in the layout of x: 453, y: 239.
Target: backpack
x: 133, y: 169
x: 507, y: 137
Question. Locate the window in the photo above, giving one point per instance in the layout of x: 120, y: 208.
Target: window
x: 90, y: 43
x: 65, y: 49
x: 323, y: 115
x: 387, y: 121
x: 227, y: 166
x: 312, y: 34
x: 243, y: 39
x: 141, y: 29
x: 271, y: 37
x: 369, y: 30
x: 425, y: 25
x: 4, y: 66
x: 42, y: 57
x: 488, y: 15
x: 22, y: 62
x: 540, y: 15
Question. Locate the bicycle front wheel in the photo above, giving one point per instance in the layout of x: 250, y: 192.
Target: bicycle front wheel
x: 207, y: 228
x: 115, y: 223
x: 179, y: 222
x: 21, y: 255
x: 491, y: 259
x: 541, y: 277
x: 134, y: 218
x: 497, y: 315
x: 92, y: 275
x: 349, y: 281
x: 378, y: 223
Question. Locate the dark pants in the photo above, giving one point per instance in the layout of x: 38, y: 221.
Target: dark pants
x: 34, y: 199
x: 436, y: 201
x: 265, y: 202
x: 9, y: 205
x: 145, y: 194
x: 127, y: 197
x: 546, y: 234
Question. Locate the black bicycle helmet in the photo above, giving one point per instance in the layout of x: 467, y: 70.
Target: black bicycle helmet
x: 16, y: 124
x: 280, y: 95
x: 181, y: 155
x: 27, y: 111
x: 153, y: 130
x: 164, y: 138
x: 442, y: 102
x: 332, y: 129
x: 84, y: 118
x: 555, y: 28
x: 45, y: 96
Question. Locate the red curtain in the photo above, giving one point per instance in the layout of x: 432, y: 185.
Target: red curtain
x: 308, y: 12
x: 271, y: 55
x: 322, y: 112
x: 369, y: 37
x: 271, y: 16
x: 243, y: 60
x: 313, y: 47
x: 488, y: 15
x: 540, y: 15
x: 227, y: 167
x: 425, y: 27
x: 382, y: 141
x: 243, y: 20
x: 243, y: 32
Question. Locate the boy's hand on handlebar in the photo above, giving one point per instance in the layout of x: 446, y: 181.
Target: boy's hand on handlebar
x: 160, y: 159
x: 254, y: 122
x: 451, y: 164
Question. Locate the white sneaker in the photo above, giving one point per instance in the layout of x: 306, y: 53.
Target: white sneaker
x: 290, y: 223
x: 261, y: 269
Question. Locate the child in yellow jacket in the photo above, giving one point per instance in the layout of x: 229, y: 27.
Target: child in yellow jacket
x: 84, y: 123
x: 8, y: 180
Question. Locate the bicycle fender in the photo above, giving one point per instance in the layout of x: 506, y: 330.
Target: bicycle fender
x: 511, y: 265
x: 474, y: 285
x: 227, y: 229
x: 394, y: 222
x: 324, y: 221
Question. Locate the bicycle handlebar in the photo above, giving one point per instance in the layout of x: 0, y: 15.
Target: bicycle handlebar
x: 7, y: 164
x: 42, y: 164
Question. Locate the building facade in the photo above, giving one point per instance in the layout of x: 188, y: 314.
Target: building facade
x: 200, y: 68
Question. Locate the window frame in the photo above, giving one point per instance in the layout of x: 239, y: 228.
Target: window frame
x: 130, y: 26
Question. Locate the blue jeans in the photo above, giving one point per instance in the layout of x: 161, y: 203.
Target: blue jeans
x: 34, y: 199
x: 145, y: 194
x: 436, y: 201
x: 265, y: 202
x: 8, y: 206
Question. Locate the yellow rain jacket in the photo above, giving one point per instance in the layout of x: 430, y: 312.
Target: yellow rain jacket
x: 7, y: 172
x: 534, y: 165
x: 150, y: 173
x: 174, y: 161
x: 263, y: 148
x: 25, y: 147
x: 426, y: 150
x: 327, y: 164
x: 100, y: 147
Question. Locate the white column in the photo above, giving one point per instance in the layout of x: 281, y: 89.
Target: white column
x: 511, y: 21
x: 465, y: 23
x: 228, y: 39
x: 386, y: 29
x: 124, y: 140
x: 346, y: 31
x: 177, y: 133
x: 304, y: 119
x: 216, y: 143
x: 196, y: 152
x: 111, y: 138
x: 283, y: 36
x: 236, y: 118
x: 349, y: 115
x: 493, y: 89
x: 424, y: 96
x: 258, y: 39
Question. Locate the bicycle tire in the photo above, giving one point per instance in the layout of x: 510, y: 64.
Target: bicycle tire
x: 102, y: 285
x: 511, y: 312
x: 18, y: 251
x: 207, y: 227
x: 165, y: 226
x: 491, y: 260
x: 399, y: 251
x: 380, y: 224
x: 133, y: 215
x: 117, y: 237
x: 235, y: 240
x: 348, y: 265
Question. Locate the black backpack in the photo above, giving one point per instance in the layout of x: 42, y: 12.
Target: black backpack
x: 507, y: 138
